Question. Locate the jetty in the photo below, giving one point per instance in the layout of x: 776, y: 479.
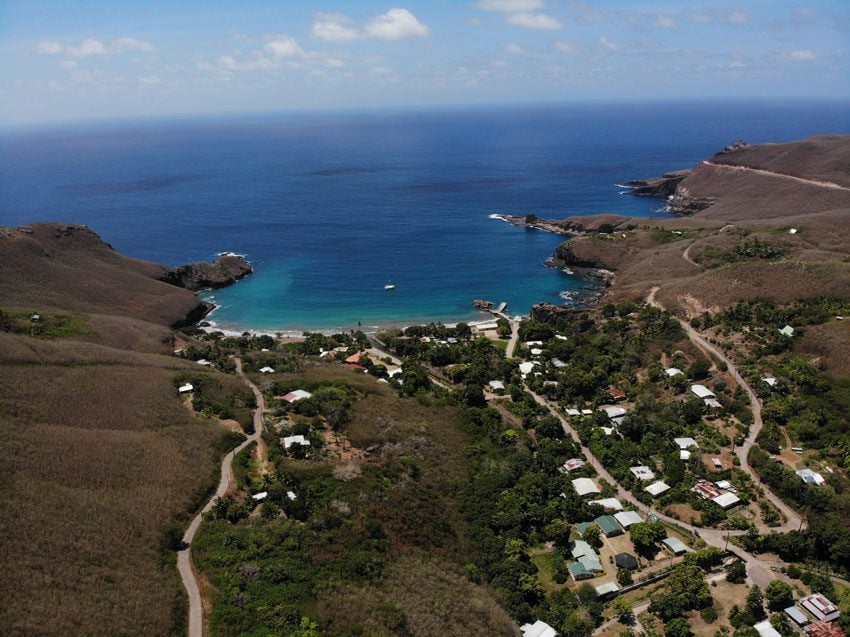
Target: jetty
x: 487, y: 306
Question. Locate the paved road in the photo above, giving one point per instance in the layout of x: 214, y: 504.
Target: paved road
x: 184, y: 557
x: 802, y: 180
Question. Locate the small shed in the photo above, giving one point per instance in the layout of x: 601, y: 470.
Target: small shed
x: 185, y: 389
x: 797, y: 616
x: 267, y: 370
x: 626, y: 561
x: 673, y: 371
x: 574, y: 464
x: 573, y: 412
x: 685, y: 443
x: 810, y: 477
x: 259, y: 497
x: 674, y: 545
x: 496, y: 385
x: 606, y: 589
x: 787, y: 331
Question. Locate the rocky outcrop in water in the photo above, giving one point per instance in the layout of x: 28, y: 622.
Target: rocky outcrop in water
x: 663, y: 186
x: 220, y: 273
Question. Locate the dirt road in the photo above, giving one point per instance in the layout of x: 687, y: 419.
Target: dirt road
x: 184, y: 557
x: 759, y: 171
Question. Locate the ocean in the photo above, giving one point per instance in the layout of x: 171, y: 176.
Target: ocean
x: 330, y: 207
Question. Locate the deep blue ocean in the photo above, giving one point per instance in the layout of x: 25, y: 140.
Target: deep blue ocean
x: 330, y: 207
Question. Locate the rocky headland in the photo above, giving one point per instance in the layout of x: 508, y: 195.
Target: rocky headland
x: 793, y: 198
x: 224, y: 271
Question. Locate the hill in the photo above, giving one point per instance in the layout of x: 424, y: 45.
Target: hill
x: 100, y: 457
x: 766, y: 221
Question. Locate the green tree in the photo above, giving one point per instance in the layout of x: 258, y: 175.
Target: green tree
x: 755, y: 602
x: 736, y: 573
x: 622, y: 609
x: 780, y: 622
x: 646, y: 535
x: 678, y: 627
x: 593, y: 537
x: 779, y: 595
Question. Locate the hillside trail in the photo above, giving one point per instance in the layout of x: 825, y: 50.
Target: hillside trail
x: 184, y: 556
x: 511, y: 348
x: 801, y: 180
x: 686, y: 255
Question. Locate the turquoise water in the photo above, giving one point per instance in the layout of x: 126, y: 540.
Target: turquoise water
x: 329, y: 208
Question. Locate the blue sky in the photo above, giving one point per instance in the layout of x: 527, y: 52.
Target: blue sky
x: 104, y: 60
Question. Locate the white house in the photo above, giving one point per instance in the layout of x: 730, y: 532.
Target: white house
x: 627, y: 518
x: 289, y: 441
x: 573, y: 464
x: 496, y: 385
x: 810, y: 477
x: 609, y: 504
x: 573, y: 412
x: 526, y: 367
x: 538, y: 629
x: 185, y: 389
x: 726, y: 500
x: 586, y: 486
x: 685, y: 443
x: 769, y: 380
x: 295, y: 396
x: 765, y: 629
x: 614, y: 412
x: 787, y: 331
x: 657, y: 488
x: 701, y: 391
x: 606, y: 589
x: 674, y: 371
x: 642, y: 472
x: 258, y: 497
x: 267, y: 370
x: 204, y: 362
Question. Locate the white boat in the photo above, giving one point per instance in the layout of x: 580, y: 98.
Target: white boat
x: 389, y: 286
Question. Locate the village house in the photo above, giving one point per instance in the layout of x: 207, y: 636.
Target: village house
x: 820, y: 607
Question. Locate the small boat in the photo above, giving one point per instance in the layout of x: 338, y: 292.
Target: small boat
x: 389, y: 286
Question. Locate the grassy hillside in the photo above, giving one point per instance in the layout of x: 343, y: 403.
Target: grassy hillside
x: 100, y: 457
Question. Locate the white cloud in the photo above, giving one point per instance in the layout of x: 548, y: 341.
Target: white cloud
x: 331, y: 27
x: 284, y: 46
x: 395, y: 24
x: 132, y: 44
x: 702, y: 18
x: 509, y: 6
x: 568, y: 47
x: 90, y: 46
x: 513, y: 48
x: 665, y: 22
x: 149, y: 80
x: 738, y: 17
x: 802, y: 55
x: 67, y: 65
x: 539, y: 21
x: 606, y: 44
x: 49, y: 48
x: 86, y: 48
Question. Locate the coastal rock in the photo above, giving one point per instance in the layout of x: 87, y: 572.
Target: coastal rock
x: 224, y: 271
x: 682, y: 203
x: 550, y: 314
x: 194, y: 315
x: 663, y: 186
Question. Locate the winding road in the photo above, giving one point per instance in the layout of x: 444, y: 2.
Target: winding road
x: 769, y: 173
x: 184, y: 556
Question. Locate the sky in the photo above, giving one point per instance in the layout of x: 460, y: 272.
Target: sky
x: 67, y: 61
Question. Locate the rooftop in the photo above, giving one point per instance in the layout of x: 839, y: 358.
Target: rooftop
x: 538, y: 629
x: 765, y: 629
x: 701, y: 391
x: 674, y: 544
x: 685, y: 443
x: 627, y: 518
x: 642, y: 472
x: 657, y: 488
x: 585, y: 486
x: 674, y: 371
x: 609, y: 525
x: 609, y: 504
x: 298, y: 394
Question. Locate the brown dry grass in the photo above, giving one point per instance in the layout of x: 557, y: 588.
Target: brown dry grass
x: 99, y: 456
x: 830, y: 344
